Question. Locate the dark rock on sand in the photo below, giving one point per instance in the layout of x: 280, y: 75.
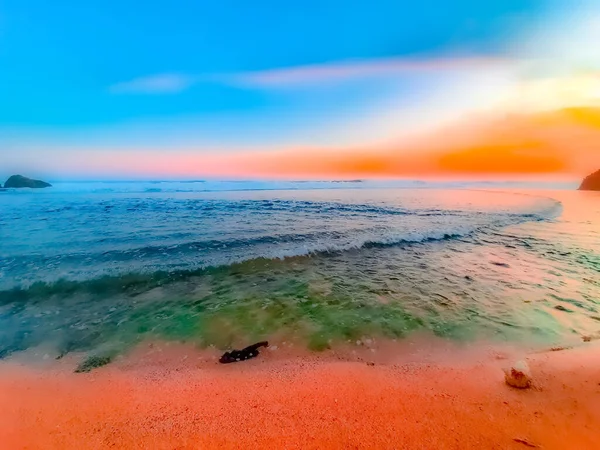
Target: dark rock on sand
x: 591, y: 182
x: 19, y: 181
x: 242, y: 355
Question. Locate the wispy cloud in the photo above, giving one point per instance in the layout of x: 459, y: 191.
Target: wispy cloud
x: 336, y: 71
x: 304, y: 75
x: 168, y: 83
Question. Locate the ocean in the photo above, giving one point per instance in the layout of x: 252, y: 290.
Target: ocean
x: 98, y: 267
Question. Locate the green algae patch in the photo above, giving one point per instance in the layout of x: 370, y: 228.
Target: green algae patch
x: 92, y: 362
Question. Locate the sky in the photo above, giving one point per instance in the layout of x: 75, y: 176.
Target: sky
x: 313, y: 89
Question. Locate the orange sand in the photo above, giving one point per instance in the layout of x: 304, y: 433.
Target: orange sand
x: 304, y: 402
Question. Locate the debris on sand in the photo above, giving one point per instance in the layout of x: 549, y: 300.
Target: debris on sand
x: 500, y: 264
x: 525, y: 442
x: 518, y: 376
x: 562, y: 308
x: 559, y: 349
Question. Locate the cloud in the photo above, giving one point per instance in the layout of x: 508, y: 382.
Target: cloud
x: 304, y: 75
x: 155, y: 84
x: 344, y: 70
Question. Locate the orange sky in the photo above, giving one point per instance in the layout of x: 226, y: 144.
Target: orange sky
x: 564, y: 143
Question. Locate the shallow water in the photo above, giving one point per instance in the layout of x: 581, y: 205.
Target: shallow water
x: 98, y: 270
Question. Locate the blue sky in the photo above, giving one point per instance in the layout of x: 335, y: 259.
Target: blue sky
x: 60, y: 58
x: 230, y: 74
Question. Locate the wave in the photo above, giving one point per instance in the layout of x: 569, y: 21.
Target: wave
x: 266, y: 248
x: 113, y: 237
x: 143, y: 280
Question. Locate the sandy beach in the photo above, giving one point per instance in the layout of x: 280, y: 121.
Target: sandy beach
x: 299, y: 225
x: 179, y: 400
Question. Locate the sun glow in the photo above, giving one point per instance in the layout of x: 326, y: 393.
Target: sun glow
x: 554, y: 93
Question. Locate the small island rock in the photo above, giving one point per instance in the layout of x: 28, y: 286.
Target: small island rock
x: 19, y: 181
x: 591, y: 182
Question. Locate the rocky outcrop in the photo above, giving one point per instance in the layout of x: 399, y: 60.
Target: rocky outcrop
x: 19, y: 181
x: 591, y: 182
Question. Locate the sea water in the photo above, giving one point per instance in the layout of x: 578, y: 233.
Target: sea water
x: 98, y: 267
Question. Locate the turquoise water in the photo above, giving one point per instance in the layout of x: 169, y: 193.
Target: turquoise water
x: 98, y: 268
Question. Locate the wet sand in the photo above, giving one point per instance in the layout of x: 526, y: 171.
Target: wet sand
x: 178, y: 401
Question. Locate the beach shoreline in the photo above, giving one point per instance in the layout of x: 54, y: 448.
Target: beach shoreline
x: 178, y: 399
